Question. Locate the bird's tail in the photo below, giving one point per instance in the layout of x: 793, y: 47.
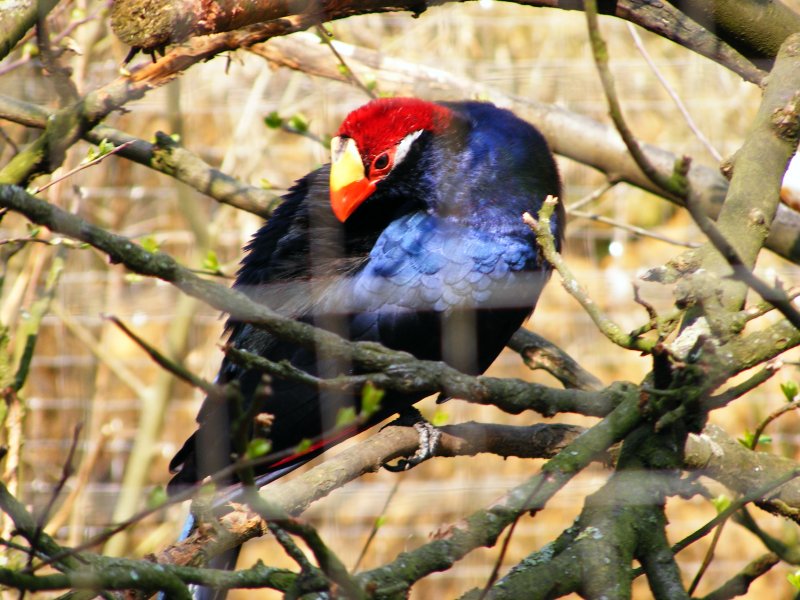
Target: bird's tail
x: 234, y: 493
x: 227, y: 560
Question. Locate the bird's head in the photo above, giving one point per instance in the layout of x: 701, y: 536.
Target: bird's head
x: 372, y: 141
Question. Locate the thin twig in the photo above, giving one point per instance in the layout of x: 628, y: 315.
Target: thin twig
x: 66, y: 473
x: 738, y: 584
x: 376, y: 525
x: 289, y: 546
x: 789, y: 553
x: 592, y: 196
x: 503, y: 551
x: 733, y: 508
x: 212, y: 390
x: 675, y: 185
x: 640, y: 231
x: 741, y: 389
x: 326, y: 38
x: 782, y: 410
x: 81, y: 479
x: 63, y: 83
x: 545, y: 239
x: 328, y: 562
x: 637, y: 40
x: 723, y: 399
x: 707, y: 558
x: 539, y: 353
x: 83, y: 166
x: 9, y: 140
x: 115, y: 366
x: 56, y: 241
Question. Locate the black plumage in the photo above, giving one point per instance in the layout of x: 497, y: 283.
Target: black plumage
x: 434, y: 259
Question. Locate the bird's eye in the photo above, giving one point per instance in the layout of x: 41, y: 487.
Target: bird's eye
x: 381, y: 162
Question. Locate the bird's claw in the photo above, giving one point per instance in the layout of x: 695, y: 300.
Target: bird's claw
x: 429, y: 437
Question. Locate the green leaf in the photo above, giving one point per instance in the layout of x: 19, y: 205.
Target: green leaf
x: 345, y: 416
x: 31, y: 50
x: 304, y: 445
x: 298, y: 122
x: 371, y: 397
x: 273, y: 120
x: 95, y: 152
x: 440, y: 417
x: 794, y: 579
x: 211, y: 262
x: 265, y: 184
x: 721, y: 502
x: 789, y: 389
x: 343, y: 70
x: 258, y: 447
x: 749, y: 438
x: 156, y: 497
x: 149, y: 243
x: 380, y: 522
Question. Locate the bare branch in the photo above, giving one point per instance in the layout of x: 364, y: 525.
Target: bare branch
x: 637, y: 40
x: 18, y: 19
x: 544, y: 237
x: 676, y: 183
x: 215, y: 392
x: 740, y: 583
x: 539, y: 353
x: 640, y: 231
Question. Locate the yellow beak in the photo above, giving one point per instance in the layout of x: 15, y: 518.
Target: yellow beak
x: 349, y: 185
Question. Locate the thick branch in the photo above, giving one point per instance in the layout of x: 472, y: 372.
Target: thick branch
x: 482, y: 527
x: 754, y: 193
x: 539, y: 353
x: 740, y: 583
x: 723, y: 459
x: 149, y: 25
x: 295, y: 495
x: 755, y: 28
x: 719, y: 456
x: 18, y: 19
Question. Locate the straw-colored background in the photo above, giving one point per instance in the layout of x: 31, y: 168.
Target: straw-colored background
x: 536, y: 53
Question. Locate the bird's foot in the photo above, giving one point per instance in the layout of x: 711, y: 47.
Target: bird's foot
x: 429, y: 437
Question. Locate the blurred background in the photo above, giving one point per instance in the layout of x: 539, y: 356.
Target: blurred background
x: 86, y: 372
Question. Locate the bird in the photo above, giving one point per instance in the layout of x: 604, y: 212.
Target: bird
x: 412, y: 236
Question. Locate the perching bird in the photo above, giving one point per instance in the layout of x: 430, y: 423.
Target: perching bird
x: 412, y: 237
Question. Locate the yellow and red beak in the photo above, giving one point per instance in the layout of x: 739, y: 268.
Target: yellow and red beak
x: 349, y: 184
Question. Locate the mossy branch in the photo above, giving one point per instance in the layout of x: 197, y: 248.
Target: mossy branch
x: 399, y: 369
